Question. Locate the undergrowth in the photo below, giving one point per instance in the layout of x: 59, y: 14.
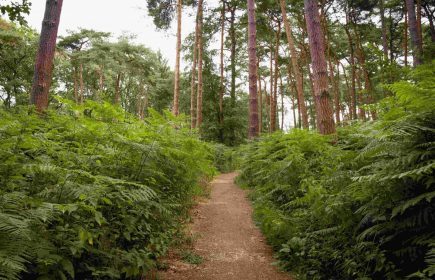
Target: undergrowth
x: 89, y: 192
x: 361, y: 209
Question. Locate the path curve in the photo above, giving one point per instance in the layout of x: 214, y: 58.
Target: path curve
x: 232, y: 247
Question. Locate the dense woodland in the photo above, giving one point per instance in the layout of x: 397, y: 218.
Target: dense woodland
x: 104, y: 146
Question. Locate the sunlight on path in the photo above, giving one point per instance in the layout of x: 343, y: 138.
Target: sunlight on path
x: 232, y: 247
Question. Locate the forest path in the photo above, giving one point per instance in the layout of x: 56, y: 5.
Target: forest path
x: 232, y: 247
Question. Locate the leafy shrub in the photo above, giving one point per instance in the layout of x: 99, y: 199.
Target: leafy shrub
x: 92, y: 195
x: 362, y: 209
x: 226, y: 159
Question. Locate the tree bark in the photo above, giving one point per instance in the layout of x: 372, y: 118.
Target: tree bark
x: 260, y: 100
x: 200, y: 62
x: 82, y: 86
x: 352, y: 110
x: 252, y: 53
x: 419, y: 31
x: 295, y: 66
x: 45, y: 55
x: 405, y: 35
x: 430, y: 17
x: 413, y: 31
x: 117, y: 98
x: 175, y: 106
x: 222, y: 83
x: 325, y: 121
x: 336, y: 88
x: 193, y: 78
x: 271, y: 87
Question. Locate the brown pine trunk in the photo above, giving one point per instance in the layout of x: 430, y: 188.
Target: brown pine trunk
x: 100, y: 82
x: 325, y: 120
x: 361, y: 111
x: 193, y: 78
x: 295, y: 66
x: 430, y: 17
x: 405, y: 35
x: 384, y: 30
x: 252, y: 53
x: 200, y: 62
x: 347, y: 97
x: 271, y: 88
x: 222, y: 85
x: 175, y: 105
x: 413, y: 31
x: 260, y: 100
x: 45, y: 55
x: 353, y: 74
x: 282, y: 102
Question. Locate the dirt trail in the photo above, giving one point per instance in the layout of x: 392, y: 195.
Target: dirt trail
x: 232, y: 247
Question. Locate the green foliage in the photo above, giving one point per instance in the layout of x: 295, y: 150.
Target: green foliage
x: 362, y: 209
x: 89, y: 192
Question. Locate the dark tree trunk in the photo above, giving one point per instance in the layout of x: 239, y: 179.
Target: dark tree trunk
x: 413, y: 31
x: 430, y: 17
x: 260, y: 100
x: 44, y: 57
x: 352, y: 109
x: 252, y: 53
x: 273, y: 112
x: 117, y: 98
x: 325, y: 120
x: 405, y: 34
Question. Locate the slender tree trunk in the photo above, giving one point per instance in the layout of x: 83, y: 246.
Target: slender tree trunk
x: 193, y: 77
x: 361, y: 111
x: 384, y: 30
x: 260, y: 100
x: 175, y: 106
x: 273, y: 111
x: 45, y: 55
x: 271, y: 88
x: 413, y: 31
x: 313, y: 112
x: 252, y: 53
x: 325, y: 121
x: 348, y: 99
x: 233, y: 56
x: 405, y: 35
x: 222, y: 84
x: 200, y: 62
x: 295, y: 65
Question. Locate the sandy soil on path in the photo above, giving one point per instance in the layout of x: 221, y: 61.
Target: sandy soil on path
x: 232, y: 247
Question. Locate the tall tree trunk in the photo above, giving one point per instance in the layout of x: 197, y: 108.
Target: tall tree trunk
x: 413, y: 31
x: 271, y: 88
x: 325, y: 120
x: 252, y: 53
x: 233, y: 42
x: 384, y: 30
x: 175, y: 105
x: 260, y: 100
x: 200, y: 62
x: 44, y: 57
x: 273, y: 111
x: 361, y: 111
x: 100, y: 82
x: 222, y: 84
x: 295, y: 66
x: 193, y: 77
x: 348, y: 98
x: 405, y: 34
